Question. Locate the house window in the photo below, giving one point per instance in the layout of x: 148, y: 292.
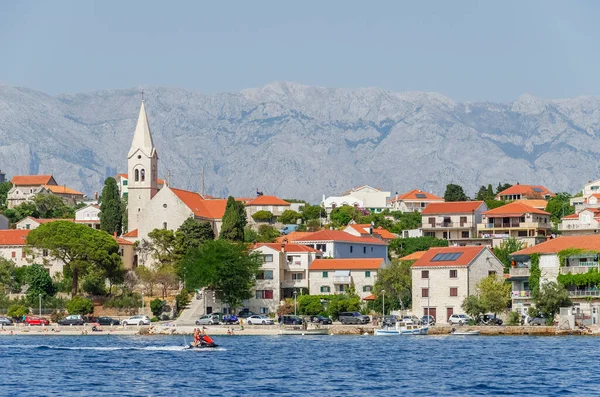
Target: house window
x: 264, y: 310
x: 264, y: 294
x: 44, y: 252
x: 265, y: 275
x: 143, y: 175
x: 321, y: 247
x: 453, y: 291
x: 268, y: 258
x: 14, y: 254
x: 371, y: 249
x: 325, y: 288
x: 137, y: 175
x: 424, y: 273
x: 296, y: 276
x: 491, y: 272
x: 367, y: 288
x: 453, y: 273
x: 325, y: 274
x: 351, y: 247
x: 23, y: 254
x: 368, y: 273
x: 465, y: 234
x: 124, y: 182
x: 425, y: 292
x: 364, y: 250
x: 165, y: 225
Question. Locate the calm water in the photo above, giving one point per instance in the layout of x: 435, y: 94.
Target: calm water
x: 327, y: 365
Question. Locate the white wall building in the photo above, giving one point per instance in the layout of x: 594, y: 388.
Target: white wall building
x: 414, y: 201
x: 335, y: 276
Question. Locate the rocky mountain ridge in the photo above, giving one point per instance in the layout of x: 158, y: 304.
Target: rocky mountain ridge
x: 300, y: 141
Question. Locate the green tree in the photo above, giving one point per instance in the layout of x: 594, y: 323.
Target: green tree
x: 506, y: 248
x: 405, y: 221
x: 111, y: 215
x: 77, y: 246
x: 341, y: 216
x: 310, y: 212
x: 124, y: 219
x: 485, y: 193
x: 17, y: 311
x: 550, y: 298
x: 51, y: 206
x: 147, y: 278
x: 559, y: 206
x: 21, y: 211
x: 396, y: 280
x: 494, y: 293
x: 40, y: 283
x: 4, y: 188
x: 406, y: 246
x: 473, y: 306
x: 80, y: 305
x: 191, y: 234
x: 310, y: 305
x: 262, y: 216
x: 94, y: 283
x: 492, y: 203
x: 223, y: 266
x: 157, y: 306
x: 9, y: 281
x: 234, y: 221
x: 289, y: 216
x: 534, y: 274
x: 455, y: 193
x: 162, y: 246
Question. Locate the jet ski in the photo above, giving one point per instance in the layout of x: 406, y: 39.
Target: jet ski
x: 201, y: 346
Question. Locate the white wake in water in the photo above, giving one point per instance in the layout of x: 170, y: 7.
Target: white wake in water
x: 108, y: 348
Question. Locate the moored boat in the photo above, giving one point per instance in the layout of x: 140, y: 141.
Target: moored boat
x: 466, y: 333
x: 306, y: 332
x: 403, y: 329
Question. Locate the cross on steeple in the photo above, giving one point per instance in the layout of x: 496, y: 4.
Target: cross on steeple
x: 142, y: 95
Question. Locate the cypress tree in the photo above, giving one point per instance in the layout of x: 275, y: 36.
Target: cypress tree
x: 234, y: 221
x: 111, y: 216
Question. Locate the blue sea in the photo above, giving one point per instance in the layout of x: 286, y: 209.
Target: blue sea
x: 298, y: 365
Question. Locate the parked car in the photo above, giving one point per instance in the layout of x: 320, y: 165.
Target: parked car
x: 208, y: 319
x: 137, y: 320
x: 107, y: 321
x: 259, y: 319
x: 491, y: 319
x: 353, y: 318
x: 389, y: 321
x: 290, y: 320
x: 459, y: 319
x: 245, y: 313
x: 34, y: 320
x: 287, y: 229
x: 5, y: 320
x: 72, y: 319
x: 320, y: 320
x: 539, y: 320
x: 428, y: 320
x: 411, y: 320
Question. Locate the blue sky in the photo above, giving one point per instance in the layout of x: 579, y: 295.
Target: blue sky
x: 467, y: 50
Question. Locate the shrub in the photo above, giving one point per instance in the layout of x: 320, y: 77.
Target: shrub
x: 125, y: 302
x: 157, y: 306
x: 262, y: 216
x: 57, y: 315
x: 154, y: 319
x: 514, y: 318
x: 182, y: 299
x: 80, y: 305
x: 17, y: 311
x: 95, y: 284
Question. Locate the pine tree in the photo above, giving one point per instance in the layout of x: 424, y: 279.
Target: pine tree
x: 234, y: 221
x: 111, y: 216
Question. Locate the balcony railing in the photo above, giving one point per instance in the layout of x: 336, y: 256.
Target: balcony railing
x: 341, y: 279
x: 579, y: 226
x: 520, y: 294
x: 294, y: 283
x: 584, y: 293
x: 577, y: 269
x: 519, y: 272
x: 454, y: 225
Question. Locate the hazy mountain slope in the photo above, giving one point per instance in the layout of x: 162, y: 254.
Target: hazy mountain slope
x: 300, y: 141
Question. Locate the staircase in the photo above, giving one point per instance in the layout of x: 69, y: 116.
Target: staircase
x: 191, y: 313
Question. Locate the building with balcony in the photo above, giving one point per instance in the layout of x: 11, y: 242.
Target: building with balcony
x: 585, y: 222
x: 414, y: 201
x: 581, y: 260
x: 341, y: 245
x: 454, y: 221
x: 335, y: 276
x: 524, y: 192
x: 515, y: 220
x: 272, y: 204
x: 89, y: 215
x: 443, y: 277
x: 590, y: 196
x: 284, y: 270
x: 374, y: 199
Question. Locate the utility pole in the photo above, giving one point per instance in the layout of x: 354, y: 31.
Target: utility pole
x: 202, y: 181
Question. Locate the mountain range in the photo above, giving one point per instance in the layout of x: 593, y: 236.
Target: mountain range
x: 298, y: 141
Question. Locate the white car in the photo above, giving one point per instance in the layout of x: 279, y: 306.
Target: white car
x: 459, y: 319
x: 411, y: 320
x: 136, y: 320
x: 208, y: 319
x: 258, y: 319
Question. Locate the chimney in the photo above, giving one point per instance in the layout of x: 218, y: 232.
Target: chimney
x: 548, y: 237
x: 96, y: 196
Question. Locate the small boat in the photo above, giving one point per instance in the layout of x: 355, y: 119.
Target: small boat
x: 305, y: 332
x: 403, y: 329
x: 387, y: 332
x: 465, y: 333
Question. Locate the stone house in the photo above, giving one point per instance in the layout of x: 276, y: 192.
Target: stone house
x: 454, y: 221
x: 272, y: 204
x: 341, y: 245
x: 335, y: 276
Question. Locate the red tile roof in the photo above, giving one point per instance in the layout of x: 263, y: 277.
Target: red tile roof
x: 210, y: 209
x: 364, y: 229
x: 292, y: 236
x: 452, y: 207
x: 412, y: 196
x: 414, y: 256
x: 515, y: 209
x: 540, y: 204
x: 267, y: 200
x: 13, y: 237
x: 27, y: 180
x: 133, y: 233
x: 346, y: 264
x: 468, y: 254
x: 596, y: 195
x: 288, y: 247
x: 339, y: 235
x: 525, y: 190
x: 62, y: 190
x: 122, y: 241
x: 558, y: 244
x: 594, y: 211
x: 369, y: 298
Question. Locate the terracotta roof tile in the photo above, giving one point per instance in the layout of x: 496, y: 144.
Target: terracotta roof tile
x: 13, y: 237
x: 339, y: 235
x: 467, y: 255
x: 414, y: 256
x: 515, y: 208
x: 292, y: 236
x: 288, y: 247
x: 122, y: 241
x: 369, y: 298
x: 525, y: 190
x: 347, y: 264
x: 540, y: 204
x: 210, y: 209
x: 133, y: 233
x: 364, y: 229
x: 267, y: 200
x: 558, y: 244
x: 452, y: 207
x: 62, y: 190
x: 412, y: 196
x: 19, y: 180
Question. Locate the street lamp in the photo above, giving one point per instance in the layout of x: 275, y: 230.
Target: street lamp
x: 142, y: 303
x: 295, y: 303
x: 40, y: 301
x: 383, y: 293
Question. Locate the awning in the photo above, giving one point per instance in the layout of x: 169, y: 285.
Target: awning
x: 341, y: 273
x: 369, y: 298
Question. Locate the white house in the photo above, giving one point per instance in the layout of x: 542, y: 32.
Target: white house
x: 590, y: 189
x: 341, y: 245
x: 374, y: 199
x: 443, y: 277
x: 272, y: 204
x: 454, y: 221
x: 13, y: 248
x: 333, y: 276
x: 586, y: 221
x: 414, y: 201
x: 331, y: 203
x: 89, y: 215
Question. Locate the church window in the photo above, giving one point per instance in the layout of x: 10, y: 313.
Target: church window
x: 164, y: 225
x: 143, y: 173
x: 139, y: 156
x: 137, y: 175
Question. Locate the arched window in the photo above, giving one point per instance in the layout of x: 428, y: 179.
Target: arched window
x: 143, y: 175
x: 137, y: 175
x: 165, y: 225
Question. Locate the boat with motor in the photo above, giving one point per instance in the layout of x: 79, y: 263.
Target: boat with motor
x: 466, y: 333
x: 304, y: 332
x: 201, y: 346
x: 403, y: 329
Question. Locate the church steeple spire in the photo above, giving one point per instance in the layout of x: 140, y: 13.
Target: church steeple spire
x: 142, y: 137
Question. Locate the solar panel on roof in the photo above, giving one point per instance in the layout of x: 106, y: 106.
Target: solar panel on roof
x: 537, y: 190
x: 421, y: 195
x: 446, y: 257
